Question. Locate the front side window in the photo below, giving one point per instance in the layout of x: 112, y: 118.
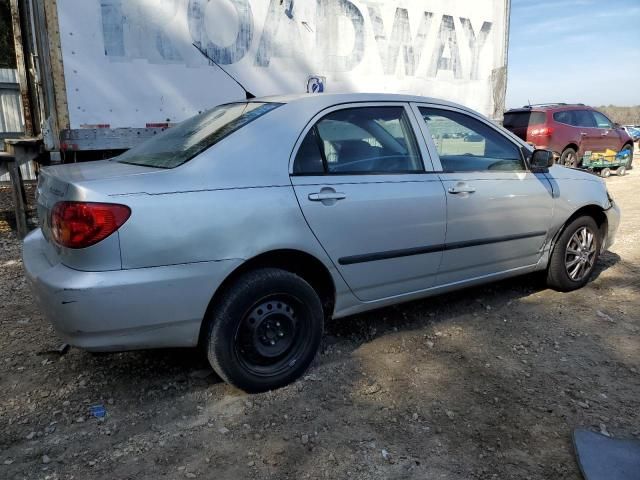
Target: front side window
x: 465, y: 144
x: 181, y: 143
x: 363, y: 140
x: 601, y: 120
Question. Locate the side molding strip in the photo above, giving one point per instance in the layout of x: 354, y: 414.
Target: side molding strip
x: 407, y: 252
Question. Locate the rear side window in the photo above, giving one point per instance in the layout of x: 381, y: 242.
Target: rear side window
x: 363, y: 140
x: 565, y: 117
x: 523, y: 119
x: 181, y: 143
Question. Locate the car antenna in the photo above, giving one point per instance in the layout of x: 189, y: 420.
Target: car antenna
x: 247, y: 93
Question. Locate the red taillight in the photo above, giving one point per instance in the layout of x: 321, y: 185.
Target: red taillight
x: 82, y: 224
x: 542, y: 132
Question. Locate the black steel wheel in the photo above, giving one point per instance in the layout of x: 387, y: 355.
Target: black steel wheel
x: 265, y: 330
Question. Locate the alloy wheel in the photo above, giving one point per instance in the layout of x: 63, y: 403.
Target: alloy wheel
x: 580, y: 254
x: 571, y: 159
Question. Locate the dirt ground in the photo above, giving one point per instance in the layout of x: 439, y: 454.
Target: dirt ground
x: 487, y: 383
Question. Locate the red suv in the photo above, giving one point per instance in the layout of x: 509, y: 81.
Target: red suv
x: 567, y: 130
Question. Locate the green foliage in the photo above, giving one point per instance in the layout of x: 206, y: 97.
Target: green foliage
x: 7, y: 52
x: 622, y: 115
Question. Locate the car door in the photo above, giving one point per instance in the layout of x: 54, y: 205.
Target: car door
x: 608, y: 137
x: 498, y: 212
x: 589, y: 134
x: 367, y: 190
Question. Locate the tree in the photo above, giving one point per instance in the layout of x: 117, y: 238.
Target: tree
x: 7, y: 50
x: 622, y: 115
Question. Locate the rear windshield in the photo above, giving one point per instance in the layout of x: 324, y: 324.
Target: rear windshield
x: 181, y: 143
x: 523, y: 119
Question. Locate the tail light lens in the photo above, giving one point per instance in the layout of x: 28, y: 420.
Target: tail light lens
x: 542, y: 132
x: 82, y: 224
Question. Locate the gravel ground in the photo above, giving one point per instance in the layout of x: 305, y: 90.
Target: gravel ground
x: 487, y: 383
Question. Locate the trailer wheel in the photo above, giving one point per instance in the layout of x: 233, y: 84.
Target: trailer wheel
x: 621, y: 171
x: 605, y: 172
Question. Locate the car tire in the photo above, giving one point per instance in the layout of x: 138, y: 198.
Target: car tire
x: 563, y: 262
x: 605, y: 172
x: 265, y: 330
x: 629, y: 164
x: 621, y: 171
x: 569, y: 158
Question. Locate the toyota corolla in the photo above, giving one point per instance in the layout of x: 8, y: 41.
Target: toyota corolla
x: 244, y: 228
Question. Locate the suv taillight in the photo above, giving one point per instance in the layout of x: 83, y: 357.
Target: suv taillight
x: 82, y: 224
x: 542, y: 132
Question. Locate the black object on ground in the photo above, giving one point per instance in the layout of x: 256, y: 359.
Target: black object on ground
x: 603, y: 458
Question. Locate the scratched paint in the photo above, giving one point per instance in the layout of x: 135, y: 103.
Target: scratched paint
x: 120, y: 54
x: 400, y: 39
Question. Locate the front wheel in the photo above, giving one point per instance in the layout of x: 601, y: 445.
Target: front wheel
x: 265, y: 330
x: 575, y: 255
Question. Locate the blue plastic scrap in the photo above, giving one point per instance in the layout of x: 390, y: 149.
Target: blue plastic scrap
x: 98, y: 411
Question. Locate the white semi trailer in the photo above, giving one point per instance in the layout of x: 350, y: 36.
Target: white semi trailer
x: 98, y: 76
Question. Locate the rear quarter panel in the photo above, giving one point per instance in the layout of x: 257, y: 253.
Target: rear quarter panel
x: 239, y: 223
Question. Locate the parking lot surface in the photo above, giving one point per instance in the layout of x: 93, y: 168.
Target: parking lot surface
x: 484, y: 383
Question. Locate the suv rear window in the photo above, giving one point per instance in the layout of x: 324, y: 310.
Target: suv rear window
x: 523, y: 119
x: 181, y: 143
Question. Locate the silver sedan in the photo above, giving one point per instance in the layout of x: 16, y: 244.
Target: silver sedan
x: 243, y: 228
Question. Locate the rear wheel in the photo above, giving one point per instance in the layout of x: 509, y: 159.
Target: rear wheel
x: 629, y: 148
x: 265, y: 330
x: 569, y: 158
x: 621, y: 171
x: 605, y: 172
x: 574, y: 255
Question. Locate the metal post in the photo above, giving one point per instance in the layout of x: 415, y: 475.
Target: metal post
x: 18, y: 196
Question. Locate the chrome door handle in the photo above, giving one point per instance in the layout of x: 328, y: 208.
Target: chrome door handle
x: 461, y: 189
x: 584, y: 134
x: 322, y: 196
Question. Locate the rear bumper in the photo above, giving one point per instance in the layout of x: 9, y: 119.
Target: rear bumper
x: 123, y: 309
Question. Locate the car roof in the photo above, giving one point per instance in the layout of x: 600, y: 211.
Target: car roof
x: 556, y: 107
x: 325, y: 100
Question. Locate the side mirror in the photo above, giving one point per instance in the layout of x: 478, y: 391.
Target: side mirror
x: 542, y: 159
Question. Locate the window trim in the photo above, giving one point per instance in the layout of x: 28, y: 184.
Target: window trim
x: 433, y: 151
x: 426, y: 160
